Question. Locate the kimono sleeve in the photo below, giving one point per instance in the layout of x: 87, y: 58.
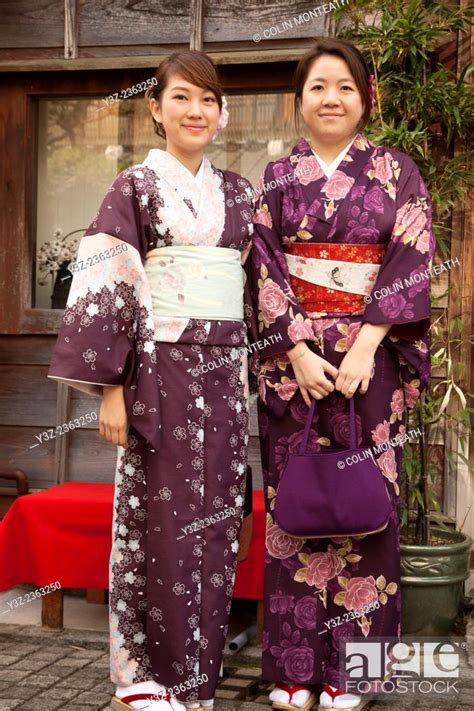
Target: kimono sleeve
x: 106, y: 323
x: 280, y: 320
x: 401, y: 293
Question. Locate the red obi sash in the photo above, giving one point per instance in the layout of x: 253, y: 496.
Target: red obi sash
x: 320, y: 298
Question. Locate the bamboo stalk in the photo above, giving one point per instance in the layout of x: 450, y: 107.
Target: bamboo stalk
x: 424, y: 483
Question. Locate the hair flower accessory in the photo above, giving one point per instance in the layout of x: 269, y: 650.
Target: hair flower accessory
x: 223, y: 118
x: 371, y: 92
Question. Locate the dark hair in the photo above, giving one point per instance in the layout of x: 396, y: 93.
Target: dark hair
x: 194, y: 66
x: 353, y: 58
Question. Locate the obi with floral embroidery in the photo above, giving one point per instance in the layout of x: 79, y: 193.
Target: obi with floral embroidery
x: 333, y: 278
x: 190, y: 281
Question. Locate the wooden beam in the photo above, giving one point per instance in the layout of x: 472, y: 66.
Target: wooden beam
x: 195, y: 39
x: 245, y: 56
x: 70, y: 29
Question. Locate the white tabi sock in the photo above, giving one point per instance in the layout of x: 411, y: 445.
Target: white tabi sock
x: 343, y: 701
x: 205, y: 703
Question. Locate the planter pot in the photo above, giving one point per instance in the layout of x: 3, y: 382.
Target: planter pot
x: 432, y: 579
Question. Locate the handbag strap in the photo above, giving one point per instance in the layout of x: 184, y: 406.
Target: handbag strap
x: 309, y: 422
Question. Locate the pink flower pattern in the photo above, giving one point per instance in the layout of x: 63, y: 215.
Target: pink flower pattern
x: 376, y: 196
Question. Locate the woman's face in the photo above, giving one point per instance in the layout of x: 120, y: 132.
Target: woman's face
x: 189, y: 114
x: 331, y: 104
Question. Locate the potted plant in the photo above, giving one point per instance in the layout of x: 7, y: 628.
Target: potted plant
x: 421, y: 109
x: 435, y: 557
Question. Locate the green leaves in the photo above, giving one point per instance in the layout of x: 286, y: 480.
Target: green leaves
x: 425, y: 109
x: 424, y: 106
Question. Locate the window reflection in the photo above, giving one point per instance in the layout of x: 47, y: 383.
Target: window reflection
x: 84, y: 143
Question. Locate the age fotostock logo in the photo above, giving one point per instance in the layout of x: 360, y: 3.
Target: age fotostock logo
x: 422, y: 666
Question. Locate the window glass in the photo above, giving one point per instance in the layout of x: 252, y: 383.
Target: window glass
x: 84, y: 143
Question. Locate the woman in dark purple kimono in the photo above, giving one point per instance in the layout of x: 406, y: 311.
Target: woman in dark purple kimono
x: 338, y: 269
x: 155, y: 325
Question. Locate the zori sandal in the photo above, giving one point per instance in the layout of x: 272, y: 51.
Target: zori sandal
x: 207, y: 705
x: 157, y: 702
x: 200, y: 705
x: 291, y: 690
x: 353, y: 702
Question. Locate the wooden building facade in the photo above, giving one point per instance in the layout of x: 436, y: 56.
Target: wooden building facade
x: 62, y: 144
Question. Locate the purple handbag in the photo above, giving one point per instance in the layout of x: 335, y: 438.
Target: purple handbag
x: 318, y: 497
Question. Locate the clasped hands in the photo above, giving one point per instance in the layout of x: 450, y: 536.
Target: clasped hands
x: 354, y: 372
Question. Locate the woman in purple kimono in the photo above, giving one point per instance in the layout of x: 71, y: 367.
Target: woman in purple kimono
x: 338, y: 269
x: 155, y: 325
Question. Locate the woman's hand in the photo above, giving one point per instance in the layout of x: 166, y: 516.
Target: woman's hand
x: 357, y: 365
x: 310, y: 373
x: 113, y: 424
x: 355, y: 369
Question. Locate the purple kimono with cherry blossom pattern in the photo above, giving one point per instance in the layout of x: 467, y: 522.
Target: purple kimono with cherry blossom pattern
x: 171, y: 574
x: 376, y: 196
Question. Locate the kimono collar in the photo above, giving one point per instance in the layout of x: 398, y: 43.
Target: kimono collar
x: 323, y: 196
x: 193, y: 213
x: 176, y: 174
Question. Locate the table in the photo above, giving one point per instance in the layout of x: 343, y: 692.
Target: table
x: 64, y: 534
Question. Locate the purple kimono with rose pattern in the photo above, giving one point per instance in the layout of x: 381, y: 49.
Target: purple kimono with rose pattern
x: 376, y: 196
x: 171, y: 573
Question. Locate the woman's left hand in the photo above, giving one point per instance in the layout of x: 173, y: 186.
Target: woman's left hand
x: 356, y: 369
x: 358, y: 363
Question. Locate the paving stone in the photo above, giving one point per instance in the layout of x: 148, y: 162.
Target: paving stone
x: 227, y: 694
x: 105, y: 687
x: 96, y: 674
x: 250, y: 672
x: 45, y: 654
x: 44, y: 701
x: 79, y: 682
x: 22, y: 692
x: 87, y: 653
x: 250, y: 654
x: 12, y: 675
x: 61, y: 693
x: 31, y: 664
x: 222, y: 705
x: 81, y: 677
x: 242, y: 706
x: 88, y: 697
x: 465, y: 699
x: 71, y: 663
x: 23, y: 648
x: 8, y: 659
x: 58, y: 670
x: 233, y: 682
x: 262, y: 699
x: 42, y: 680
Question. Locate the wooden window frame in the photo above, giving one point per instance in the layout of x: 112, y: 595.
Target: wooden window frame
x: 20, y: 113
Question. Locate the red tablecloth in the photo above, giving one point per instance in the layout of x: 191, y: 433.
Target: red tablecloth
x: 65, y: 533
